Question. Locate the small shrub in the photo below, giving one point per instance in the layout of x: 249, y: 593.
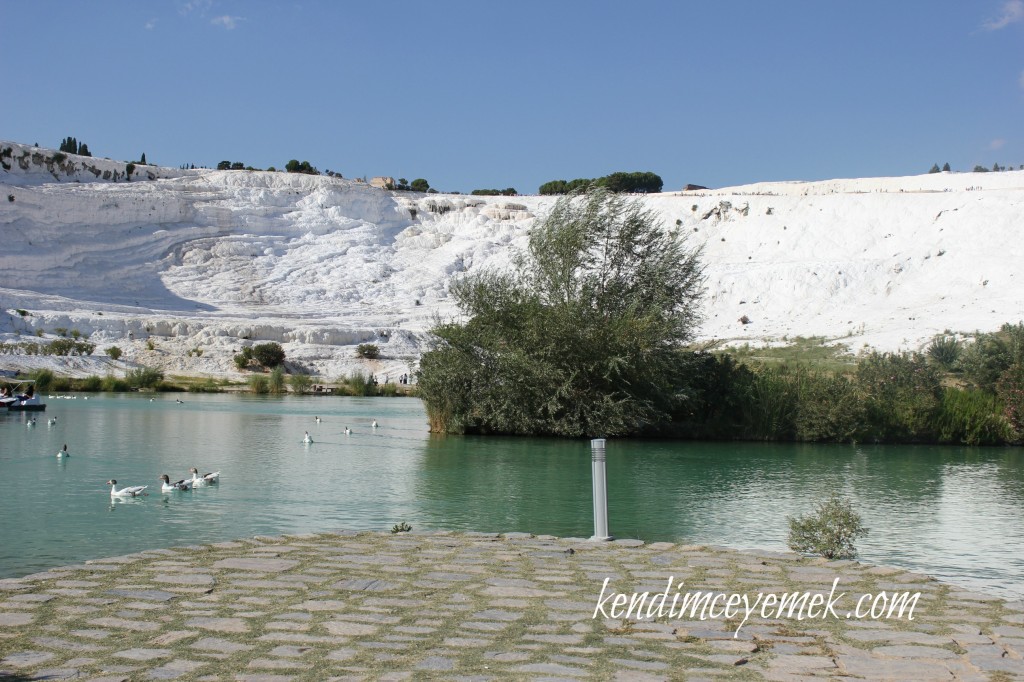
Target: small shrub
x: 275, y: 382
x: 358, y: 384
x: 114, y: 352
x: 44, y: 379
x: 1010, y: 388
x: 112, y: 384
x: 269, y: 355
x: 91, y: 383
x: 945, y: 350
x: 143, y: 377
x: 39, y: 333
x: 243, y: 359
x: 972, y: 417
x: 258, y: 383
x: 830, y: 532
x: 150, y: 345
x: 300, y: 383
x: 75, y: 334
x: 208, y: 385
x: 60, y: 331
x: 369, y: 351
x: 402, y: 527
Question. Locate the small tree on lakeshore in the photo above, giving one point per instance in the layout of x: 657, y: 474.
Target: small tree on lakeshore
x: 830, y: 532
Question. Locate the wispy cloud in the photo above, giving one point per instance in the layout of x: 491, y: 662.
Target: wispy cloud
x: 151, y: 24
x: 199, y: 6
x: 1021, y: 80
x: 1013, y: 11
x: 227, y: 21
x: 997, y: 143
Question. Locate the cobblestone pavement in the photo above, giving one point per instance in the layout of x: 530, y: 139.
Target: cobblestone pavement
x: 471, y: 606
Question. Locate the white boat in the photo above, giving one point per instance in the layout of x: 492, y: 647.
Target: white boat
x: 19, y: 395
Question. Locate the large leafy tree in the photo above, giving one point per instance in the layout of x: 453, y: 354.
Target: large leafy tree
x: 581, y: 337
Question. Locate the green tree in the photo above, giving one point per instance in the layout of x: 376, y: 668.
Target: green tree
x: 142, y: 160
x: 114, y: 352
x: 419, y: 185
x: 269, y: 355
x: 945, y: 167
x: 902, y: 395
x: 934, y: 168
x: 224, y: 165
x: 294, y: 166
x: 370, y: 351
x: 582, y: 338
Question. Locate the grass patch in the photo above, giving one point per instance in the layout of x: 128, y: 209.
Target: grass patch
x: 810, y: 351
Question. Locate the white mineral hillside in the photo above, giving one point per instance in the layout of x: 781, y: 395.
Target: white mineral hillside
x: 215, y: 260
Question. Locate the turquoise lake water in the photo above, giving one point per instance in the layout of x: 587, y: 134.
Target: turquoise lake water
x: 955, y: 513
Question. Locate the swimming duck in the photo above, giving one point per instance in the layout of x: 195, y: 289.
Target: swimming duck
x: 374, y: 424
x: 167, y: 486
x: 205, y: 479
x: 130, y: 491
x: 307, y: 439
x: 317, y: 419
x: 51, y: 422
x: 348, y: 431
x: 63, y: 452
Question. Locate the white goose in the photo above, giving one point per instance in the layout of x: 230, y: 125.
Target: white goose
x: 64, y: 452
x: 130, y: 491
x: 348, y: 431
x: 205, y: 479
x: 374, y: 424
x: 307, y: 439
x: 167, y: 486
x: 318, y: 420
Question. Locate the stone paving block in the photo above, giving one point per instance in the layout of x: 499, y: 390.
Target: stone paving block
x: 218, y: 645
x: 219, y: 624
x: 15, y: 620
x: 126, y: 624
x: 25, y: 659
x: 893, y: 669
x: 348, y: 629
x: 143, y: 654
x: 154, y: 595
x: 910, y: 651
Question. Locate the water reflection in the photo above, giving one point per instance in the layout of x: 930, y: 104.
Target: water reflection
x: 952, y: 512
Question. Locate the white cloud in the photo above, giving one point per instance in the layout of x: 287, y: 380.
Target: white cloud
x: 1013, y: 11
x: 227, y: 21
x: 1021, y: 80
x: 997, y: 143
x: 200, y: 6
x: 151, y: 24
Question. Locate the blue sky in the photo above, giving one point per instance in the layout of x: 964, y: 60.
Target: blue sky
x: 478, y: 94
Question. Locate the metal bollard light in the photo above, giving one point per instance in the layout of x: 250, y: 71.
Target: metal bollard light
x: 597, y: 459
